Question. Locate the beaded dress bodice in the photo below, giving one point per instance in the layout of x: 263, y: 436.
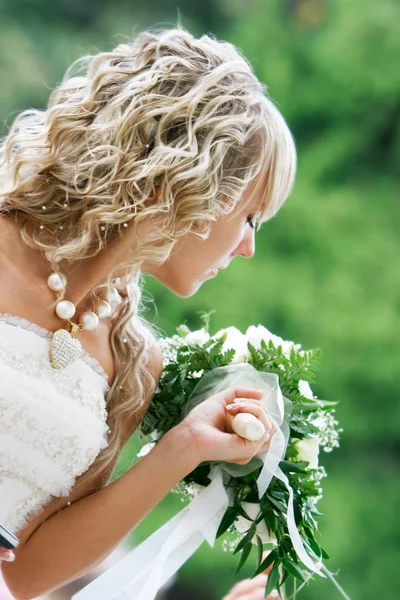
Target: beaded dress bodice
x: 52, y: 421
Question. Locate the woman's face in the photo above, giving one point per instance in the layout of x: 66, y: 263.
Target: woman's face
x: 194, y: 260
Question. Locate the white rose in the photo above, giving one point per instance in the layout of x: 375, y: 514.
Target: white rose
x: 308, y: 450
x: 197, y: 337
x: 243, y: 525
x: 146, y: 449
x: 305, y: 390
x: 235, y: 340
x: 256, y: 334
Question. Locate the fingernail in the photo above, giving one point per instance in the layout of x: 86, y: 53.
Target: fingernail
x: 229, y: 406
x: 10, y: 556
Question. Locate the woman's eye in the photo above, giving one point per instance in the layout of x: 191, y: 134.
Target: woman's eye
x: 251, y: 222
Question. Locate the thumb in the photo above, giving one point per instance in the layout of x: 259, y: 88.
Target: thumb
x: 7, y: 555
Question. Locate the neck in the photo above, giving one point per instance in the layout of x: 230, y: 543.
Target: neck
x: 85, y: 274
x: 82, y: 275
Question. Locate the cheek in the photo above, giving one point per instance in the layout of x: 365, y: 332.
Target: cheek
x: 226, y: 239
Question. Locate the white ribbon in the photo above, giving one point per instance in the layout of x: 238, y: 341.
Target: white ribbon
x: 141, y: 573
x: 293, y: 531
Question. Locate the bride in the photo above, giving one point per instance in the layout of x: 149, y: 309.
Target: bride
x: 161, y: 156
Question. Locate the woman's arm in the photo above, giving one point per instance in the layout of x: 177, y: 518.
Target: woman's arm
x: 19, y: 578
x: 75, y: 540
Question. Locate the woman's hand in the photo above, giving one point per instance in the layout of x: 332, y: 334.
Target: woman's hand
x: 209, y: 431
x: 252, y: 589
x: 7, y: 555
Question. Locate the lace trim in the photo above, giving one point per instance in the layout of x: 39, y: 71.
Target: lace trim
x: 45, y: 333
x: 29, y: 507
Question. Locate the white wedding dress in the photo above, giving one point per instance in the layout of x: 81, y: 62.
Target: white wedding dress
x: 52, y: 421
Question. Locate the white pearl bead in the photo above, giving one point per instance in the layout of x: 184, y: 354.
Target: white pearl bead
x: 65, y: 309
x: 103, y: 309
x: 111, y: 295
x: 56, y: 282
x: 89, y: 319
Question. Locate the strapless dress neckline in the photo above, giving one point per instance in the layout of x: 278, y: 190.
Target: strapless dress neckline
x: 17, y: 321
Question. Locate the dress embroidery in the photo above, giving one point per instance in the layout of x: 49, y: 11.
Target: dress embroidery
x: 53, y: 425
x: 38, y: 366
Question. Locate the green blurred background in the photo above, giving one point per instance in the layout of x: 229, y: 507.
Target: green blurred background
x: 326, y: 271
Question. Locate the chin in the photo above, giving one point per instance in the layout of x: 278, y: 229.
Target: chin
x: 183, y: 289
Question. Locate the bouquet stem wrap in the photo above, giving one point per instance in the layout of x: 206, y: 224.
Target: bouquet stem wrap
x: 140, y: 574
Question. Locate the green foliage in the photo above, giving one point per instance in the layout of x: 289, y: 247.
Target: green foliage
x: 185, y: 363
x: 326, y: 269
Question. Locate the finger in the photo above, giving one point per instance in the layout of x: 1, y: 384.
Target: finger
x: 241, y: 392
x: 243, y: 404
x: 254, y: 595
x: 247, y: 585
x: 253, y: 408
x: 268, y: 569
x: 6, y: 555
x: 267, y: 444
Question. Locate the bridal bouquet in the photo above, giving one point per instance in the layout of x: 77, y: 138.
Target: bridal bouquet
x: 271, y: 502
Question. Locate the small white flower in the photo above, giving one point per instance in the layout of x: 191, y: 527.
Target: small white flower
x: 328, y: 430
x: 235, y: 340
x: 243, y: 525
x: 319, y: 421
x: 146, y: 449
x: 308, y: 450
x: 199, y: 337
x: 305, y: 390
x: 155, y: 435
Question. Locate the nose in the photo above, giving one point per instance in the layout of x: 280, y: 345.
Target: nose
x: 247, y: 246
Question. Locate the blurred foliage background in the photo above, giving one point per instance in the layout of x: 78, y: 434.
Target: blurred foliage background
x: 326, y: 272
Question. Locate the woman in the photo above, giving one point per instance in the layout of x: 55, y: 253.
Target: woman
x: 159, y: 157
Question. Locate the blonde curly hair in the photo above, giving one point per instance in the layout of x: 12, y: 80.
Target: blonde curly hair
x: 168, y: 127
